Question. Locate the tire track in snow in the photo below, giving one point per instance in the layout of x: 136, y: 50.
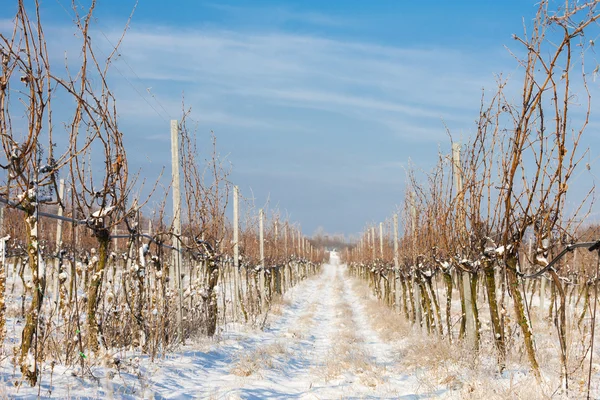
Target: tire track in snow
x: 209, y: 374
x: 381, y: 352
x: 291, y: 375
x: 297, y: 371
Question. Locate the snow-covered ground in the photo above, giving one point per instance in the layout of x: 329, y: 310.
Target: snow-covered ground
x: 327, y: 339
x: 317, y: 344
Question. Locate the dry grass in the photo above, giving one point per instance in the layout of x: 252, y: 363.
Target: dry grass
x: 279, y: 304
x: 307, y: 318
x: 348, y: 354
x: 252, y: 362
x: 390, y: 326
x: 474, y: 375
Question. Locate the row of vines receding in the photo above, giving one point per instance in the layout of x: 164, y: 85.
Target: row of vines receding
x: 89, y: 270
x: 488, y: 252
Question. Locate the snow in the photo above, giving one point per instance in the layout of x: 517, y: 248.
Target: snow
x: 103, y: 212
x: 320, y: 342
x: 297, y: 356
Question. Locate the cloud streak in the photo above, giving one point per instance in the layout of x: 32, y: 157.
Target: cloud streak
x: 299, y: 114
x: 373, y: 83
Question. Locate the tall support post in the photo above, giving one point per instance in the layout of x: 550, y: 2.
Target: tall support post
x: 261, y: 227
x: 276, y: 277
x: 396, y: 266
x: 59, y: 228
x: 303, y: 247
x: 373, y: 242
x: 466, y: 279
x: 177, y: 222
x: 361, y: 246
x: 3, y: 255
x: 456, y: 168
x: 415, y: 274
x: 292, y: 242
x: 285, y: 240
x: 236, y: 249
x: 299, y: 236
x: 236, y: 228
x: 381, y: 240
x: 261, y: 224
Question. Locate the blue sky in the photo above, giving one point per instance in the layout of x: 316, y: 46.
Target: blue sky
x: 318, y: 105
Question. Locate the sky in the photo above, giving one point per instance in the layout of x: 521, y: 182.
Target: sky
x: 318, y: 106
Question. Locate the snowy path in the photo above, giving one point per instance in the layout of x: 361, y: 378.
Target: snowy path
x: 318, y: 344
x: 321, y: 347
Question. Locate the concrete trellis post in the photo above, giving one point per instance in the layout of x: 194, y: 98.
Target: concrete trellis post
x: 261, y: 223
x: 236, y: 248
x: 177, y: 222
x: 285, y: 240
x: 303, y: 247
x: 415, y: 285
x: 381, y: 239
x: 373, y: 241
x: 396, y: 265
x: 3, y: 250
x: 293, y: 243
x: 466, y: 279
x: 236, y: 227
x: 261, y: 227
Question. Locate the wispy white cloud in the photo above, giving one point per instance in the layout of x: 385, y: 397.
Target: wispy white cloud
x: 372, y: 82
x: 290, y: 107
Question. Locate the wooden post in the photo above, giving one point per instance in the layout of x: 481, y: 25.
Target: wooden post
x: 276, y: 233
x: 177, y: 221
x: 303, y: 247
x: 236, y: 228
x: 396, y: 265
x: 381, y: 240
x: 261, y: 227
x: 373, y: 241
x: 285, y: 234
x: 3, y: 256
x: 466, y: 278
x: 415, y: 285
x: 261, y: 224
x: 236, y: 250
x: 456, y: 168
